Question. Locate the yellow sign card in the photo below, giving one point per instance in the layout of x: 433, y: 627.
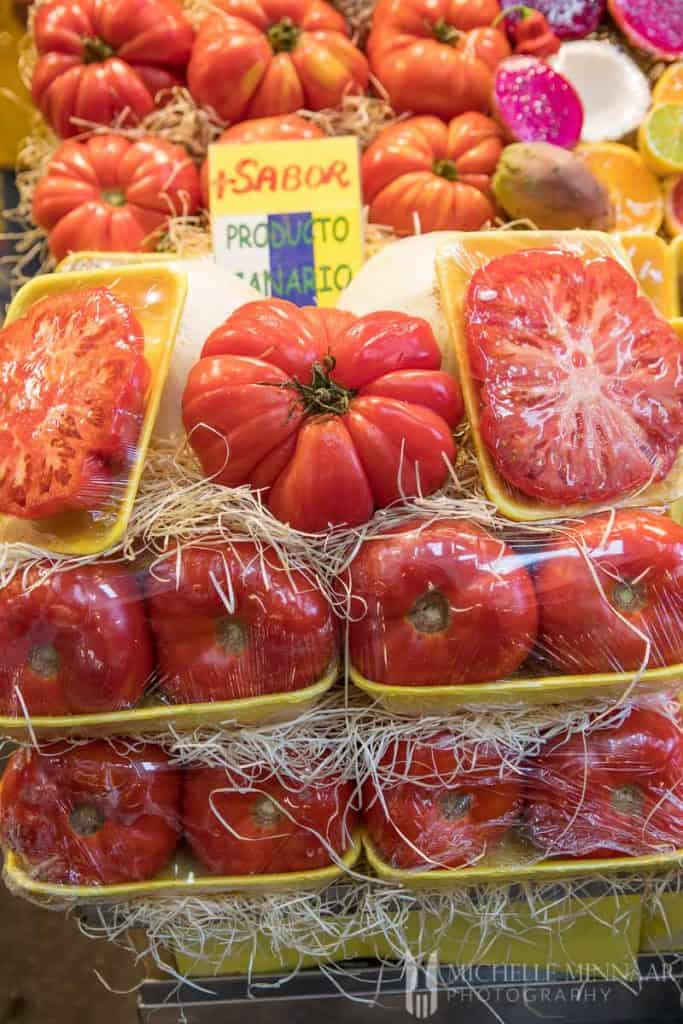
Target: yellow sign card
x: 286, y: 216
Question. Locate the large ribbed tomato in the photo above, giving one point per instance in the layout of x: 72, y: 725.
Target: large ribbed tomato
x: 256, y: 58
x: 230, y: 621
x: 330, y: 415
x: 609, y: 792
x: 111, y: 193
x: 267, y: 827
x: 440, y: 174
x: 436, y: 56
x: 439, y: 804
x: 76, y: 643
x: 101, y: 60
x: 279, y: 128
x: 91, y: 814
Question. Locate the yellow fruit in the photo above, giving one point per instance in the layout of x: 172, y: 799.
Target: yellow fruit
x: 669, y: 87
x: 652, y: 264
x: 660, y: 139
x: 633, y: 189
x: 673, y: 205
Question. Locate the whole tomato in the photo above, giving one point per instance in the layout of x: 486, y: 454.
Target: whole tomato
x: 266, y: 828
x: 436, y: 56
x: 77, y: 643
x: 111, y: 193
x: 332, y: 416
x: 280, y: 128
x: 91, y: 815
x: 257, y: 58
x: 439, y: 604
x: 106, y: 60
x: 440, y: 174
x: 231, y: 621
x: 438, y: 804
x: 610, y: 594
x: 609, y: 792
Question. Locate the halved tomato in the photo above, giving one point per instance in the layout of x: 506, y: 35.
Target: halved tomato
x: 74, y: 378
x: 581, y: 381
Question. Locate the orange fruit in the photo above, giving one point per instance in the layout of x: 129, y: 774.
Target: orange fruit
x: 632, y: 187
x: 669, y: 87
x: 673, y: 205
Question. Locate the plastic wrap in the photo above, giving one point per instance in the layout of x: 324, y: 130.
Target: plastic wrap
x: 572, y: 381
x: 205, y: 624
x: 83, y: 361
x: 610, y: 792
x: 590, y: 607
x: 118, y: 814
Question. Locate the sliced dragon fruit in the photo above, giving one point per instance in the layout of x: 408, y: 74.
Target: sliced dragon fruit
x: 569, y: 19
x: 534, y: 103
x: 651, y: 25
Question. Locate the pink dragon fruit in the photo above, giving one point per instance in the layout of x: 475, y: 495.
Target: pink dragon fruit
x: 651, y: 25
x: 533, y: 103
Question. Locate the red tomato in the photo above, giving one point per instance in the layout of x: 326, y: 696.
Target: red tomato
x: 112, y: 193
x: 77, y: 643
x: 74, y: 377
x: 436, y: 56
x: 91, y: 815
x: 610, y: 587
x: 439, y: 604
x: 267, y: 829
x: 581, y: 381
x: 232, y: 622
x: 437, y: 172
x: 280, y: 128
x: 256, y: 58
x: 442, y: 805
x: 333, y: 416
x: 610, y: 792
x: 105, y: 60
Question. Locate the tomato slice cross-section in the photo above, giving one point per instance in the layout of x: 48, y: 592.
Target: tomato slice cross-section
x: 74, y: 378
x: 581, y: 382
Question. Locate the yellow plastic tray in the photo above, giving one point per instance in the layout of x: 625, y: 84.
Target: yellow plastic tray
x: 157, y: 718
x: 157, y: 295
x: 654, y: 269
x: 183, y: 877
x: 95, y: 259
x: 414, y: 701
x: 507, y: 866
x: 456, y: 264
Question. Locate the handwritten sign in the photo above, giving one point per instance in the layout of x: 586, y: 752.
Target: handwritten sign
x: 286, y: 216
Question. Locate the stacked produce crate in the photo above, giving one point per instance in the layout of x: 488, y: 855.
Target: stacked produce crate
x: 335, y: 633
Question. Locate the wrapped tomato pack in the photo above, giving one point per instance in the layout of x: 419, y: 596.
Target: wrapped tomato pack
x: 464, y: 615
x: 112, y: 813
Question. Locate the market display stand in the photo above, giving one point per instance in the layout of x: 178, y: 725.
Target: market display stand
x: 369, y: 992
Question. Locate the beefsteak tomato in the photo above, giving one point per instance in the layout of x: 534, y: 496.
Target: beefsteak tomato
x: 111, y: 193
x: 609, y: 792
x: 91, y: 815
x: 75, y: 643
x: 266, y: 828
x: 439, y: 604
x: 442, y: 805
x: 331, y: 415
x: 232, y: 622
x: 280, y: 128
x: 106, y: 60
x: 610, y: 594
x: 257, y: 58
x: 436, y: 56
x: 581, y: 382
x: 74, y: 381
x: 439, y: 173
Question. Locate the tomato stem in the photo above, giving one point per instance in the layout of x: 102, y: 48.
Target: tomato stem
x: 430, y: 613
x: 628, y: 800
x: 455, y: 804
x: 521, y: 9
x: 95, y: 50
x: 628, y: 597
x: 322, y: 395
x: 445, y: 33
x: 86, y: 819
x: 231, y: 634
x: 283, y: 36
x: 266, y: 812
x: 113, y: 196
x: 445, y: 169
x: 44, y: 660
